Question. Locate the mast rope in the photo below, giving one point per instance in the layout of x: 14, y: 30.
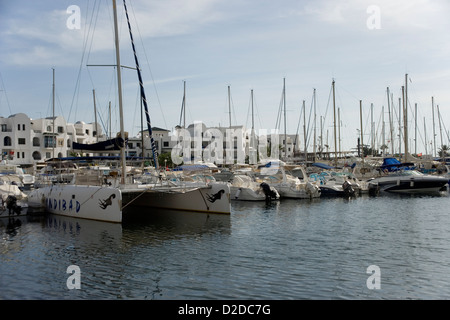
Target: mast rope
x: 143, y: 97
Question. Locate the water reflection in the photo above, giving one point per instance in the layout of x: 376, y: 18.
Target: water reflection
x: 289, y: 249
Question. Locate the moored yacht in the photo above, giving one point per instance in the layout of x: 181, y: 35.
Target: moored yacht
x: 397, y: 177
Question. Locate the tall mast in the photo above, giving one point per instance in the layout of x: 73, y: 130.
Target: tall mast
x: 425, y: 134
x: 339, y: 131
x: 405, y: 116
x: 184, y: 104
x: 335, y: 137
x: 415, y: 129
x: 440, y: 128
x: 390, y: 122
x: 399, y: 128
x: 253, y: 121
x: 95, y: 115
x: 383, y: 137
x: 229, y: 105
x: 362, y: 134
x: 372, y: 133
x: 314, y: 145
x: 109, y: 114
x: 284, y: 104
x: 304, y: 131
x: 434, y: 129
x: 119, y: 88
x: 53, y: 117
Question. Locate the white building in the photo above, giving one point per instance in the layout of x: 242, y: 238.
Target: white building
x: 25, y: 142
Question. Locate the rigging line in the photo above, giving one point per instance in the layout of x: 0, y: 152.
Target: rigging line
x: 298, y: 125
x: 308, y: 136
x: 326, y: 110
x: 280, y: 109
x: 257, y: 112
x: 6, y: 96
x: 85, y: 40
x: 143, y: 97
x: 149, y: 68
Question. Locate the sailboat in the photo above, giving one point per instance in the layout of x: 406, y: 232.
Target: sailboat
x: 107, y: 201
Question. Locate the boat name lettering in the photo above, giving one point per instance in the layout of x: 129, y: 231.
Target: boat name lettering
x: 63, y: 204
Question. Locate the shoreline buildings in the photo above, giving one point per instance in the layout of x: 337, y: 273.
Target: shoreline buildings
x: 30, y: 142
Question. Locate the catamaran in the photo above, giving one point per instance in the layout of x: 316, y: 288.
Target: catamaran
x: 107, y: 198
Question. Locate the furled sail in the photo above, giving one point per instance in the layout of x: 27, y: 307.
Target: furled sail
x: 102, y: 146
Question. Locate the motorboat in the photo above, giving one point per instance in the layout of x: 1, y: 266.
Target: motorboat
x: 397, y: 177
x: 279, y: 176
x: 244, y: 187
x: 408, y: 181
x: 336, y: 184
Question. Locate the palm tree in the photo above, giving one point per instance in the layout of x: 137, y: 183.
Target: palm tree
x: 443, y: 152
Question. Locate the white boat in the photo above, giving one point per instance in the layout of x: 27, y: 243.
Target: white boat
x: 288, y: 185
x: 101, y: 203
x: 336, y: 182
x: 244, y: 187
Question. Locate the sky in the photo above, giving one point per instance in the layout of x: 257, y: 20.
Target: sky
x: 365, y: 47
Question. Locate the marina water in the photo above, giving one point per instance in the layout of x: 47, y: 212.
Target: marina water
x: 286, y: 250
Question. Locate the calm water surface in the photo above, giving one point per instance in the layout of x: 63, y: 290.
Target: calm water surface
x: 293, y: 249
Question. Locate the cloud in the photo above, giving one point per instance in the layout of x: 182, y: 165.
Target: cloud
x: 45, y: 35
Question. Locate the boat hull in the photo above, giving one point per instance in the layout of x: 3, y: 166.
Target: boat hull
x: 246, y: 194
x: 79, y: 201
x: 416, y: 185
x: 214, y: 198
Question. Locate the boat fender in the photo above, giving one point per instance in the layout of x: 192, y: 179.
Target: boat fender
x: 238, y: 193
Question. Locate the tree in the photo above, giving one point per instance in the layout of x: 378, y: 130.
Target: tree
x: 443, y: 152
x: 165, y: 159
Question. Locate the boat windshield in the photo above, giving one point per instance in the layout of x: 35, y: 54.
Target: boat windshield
x: 410, y: 173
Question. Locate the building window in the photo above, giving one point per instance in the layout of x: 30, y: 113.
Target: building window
x: 49, y: 142
x: 166, y: 144
x: 21, y: 141
x: 60, y: 129
x: 23, y: 155
x: 48, y: 155
x: 23, y: 127
x: 36, y: 142
x: 36, y: 155
x: 7, y: 141
x: 4, y: 128
x: 18, y: 127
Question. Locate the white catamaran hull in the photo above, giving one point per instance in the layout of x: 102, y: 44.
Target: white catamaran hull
x: 79, y: 201
x: 214, y: 198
